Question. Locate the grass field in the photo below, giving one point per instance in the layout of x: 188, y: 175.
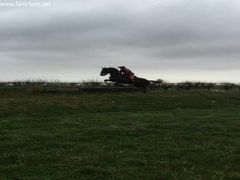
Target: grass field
x: 157, y: 135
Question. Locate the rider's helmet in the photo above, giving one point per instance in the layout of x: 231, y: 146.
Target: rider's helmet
x: 121, y: 67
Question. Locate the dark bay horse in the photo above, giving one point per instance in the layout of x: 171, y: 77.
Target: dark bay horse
x: 116, y: 76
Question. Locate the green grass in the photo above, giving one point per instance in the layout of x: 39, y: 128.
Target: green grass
x: 157, y: 135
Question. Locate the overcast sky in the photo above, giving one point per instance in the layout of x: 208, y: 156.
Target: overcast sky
x: 71, y: 40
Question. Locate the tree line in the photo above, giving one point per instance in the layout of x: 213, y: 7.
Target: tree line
x: 158, y: 84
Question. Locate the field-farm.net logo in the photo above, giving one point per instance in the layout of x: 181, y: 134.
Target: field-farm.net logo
x: 21, y: 3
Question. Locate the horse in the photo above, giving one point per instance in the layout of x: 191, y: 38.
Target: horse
x: 116, y: 76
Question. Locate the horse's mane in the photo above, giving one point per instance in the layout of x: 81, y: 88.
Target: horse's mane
x: 113, y: 68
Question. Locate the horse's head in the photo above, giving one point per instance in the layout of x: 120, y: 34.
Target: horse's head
x: 104, y: 71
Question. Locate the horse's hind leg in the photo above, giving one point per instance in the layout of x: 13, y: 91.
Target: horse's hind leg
x: 152, y: 87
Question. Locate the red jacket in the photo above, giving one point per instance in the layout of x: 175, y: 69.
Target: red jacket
x: 127, y: 72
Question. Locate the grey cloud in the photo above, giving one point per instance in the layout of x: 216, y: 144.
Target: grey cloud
x: 156, y: 34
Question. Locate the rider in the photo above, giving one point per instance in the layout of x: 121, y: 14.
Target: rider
x: 128, y: 73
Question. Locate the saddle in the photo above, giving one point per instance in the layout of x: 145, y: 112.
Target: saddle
x: 131, y: 78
